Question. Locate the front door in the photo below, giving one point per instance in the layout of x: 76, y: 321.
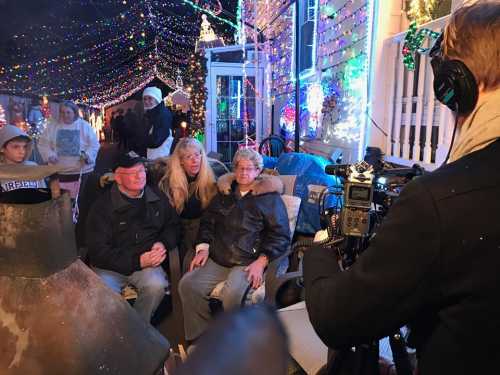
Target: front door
x: 231, y: 109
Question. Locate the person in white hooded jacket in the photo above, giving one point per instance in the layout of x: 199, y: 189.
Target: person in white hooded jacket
x: 72, y: 143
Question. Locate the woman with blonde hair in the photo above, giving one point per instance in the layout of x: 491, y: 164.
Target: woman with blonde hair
x: 189, y: 184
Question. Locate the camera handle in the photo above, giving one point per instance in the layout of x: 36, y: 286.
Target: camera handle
x: 400, y: 354
x: 364, y: 359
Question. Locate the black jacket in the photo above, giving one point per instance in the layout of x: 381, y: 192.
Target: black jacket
x: 117, y: 236
x: 434, y: 263
x: 158, y: 124
x: 238, y: 230
x: 152, y: 132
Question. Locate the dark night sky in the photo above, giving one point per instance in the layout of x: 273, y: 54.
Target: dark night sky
x: 17, y: 15
x: 22, y: 20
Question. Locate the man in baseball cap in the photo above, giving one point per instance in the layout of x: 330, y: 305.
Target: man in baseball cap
x: 129, y: 230
x: 128, y: 160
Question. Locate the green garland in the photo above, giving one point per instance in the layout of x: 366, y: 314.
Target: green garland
x: 413, y: 44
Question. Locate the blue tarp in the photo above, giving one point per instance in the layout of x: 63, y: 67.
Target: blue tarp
x: 269, y: 161
x: 311, y: 181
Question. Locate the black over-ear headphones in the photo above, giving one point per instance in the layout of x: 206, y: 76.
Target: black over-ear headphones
x: 454, y: 84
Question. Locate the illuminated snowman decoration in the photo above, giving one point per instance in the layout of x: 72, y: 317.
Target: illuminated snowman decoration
x: 315, y: 99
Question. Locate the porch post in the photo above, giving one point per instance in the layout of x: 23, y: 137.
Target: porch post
x: 297, y: 77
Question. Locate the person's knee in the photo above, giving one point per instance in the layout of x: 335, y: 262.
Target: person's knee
x: 156, y: 290
x: 187, y: 285
x: 155, y: 285
x: 232, y: 297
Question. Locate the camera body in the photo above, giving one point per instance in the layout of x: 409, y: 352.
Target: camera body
x: 357, y: 197
x: 367, y: 194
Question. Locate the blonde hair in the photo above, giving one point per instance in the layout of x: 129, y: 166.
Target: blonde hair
x: 473, y: 37
x: 174, y: 182
x: 248, y: 154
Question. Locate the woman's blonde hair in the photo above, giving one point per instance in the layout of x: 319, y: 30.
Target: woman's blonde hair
x: 174, y: 182
x: 473, y: 36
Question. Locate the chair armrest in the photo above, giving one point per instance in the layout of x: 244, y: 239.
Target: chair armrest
x: 273, y: 285
x: 274, y: 282
x: 272, y: 268
x: 174, y: 265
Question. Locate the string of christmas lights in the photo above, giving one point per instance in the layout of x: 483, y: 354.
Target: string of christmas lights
x: 421, y: 11
x: 107, y: 58
x: 3, y: 120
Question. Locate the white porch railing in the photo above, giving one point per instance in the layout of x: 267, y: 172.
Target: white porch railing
x: 419, y: 127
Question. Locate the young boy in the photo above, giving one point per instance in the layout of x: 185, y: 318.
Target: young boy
x: 15, y: 148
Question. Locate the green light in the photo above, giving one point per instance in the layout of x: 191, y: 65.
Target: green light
x: 328, y: 11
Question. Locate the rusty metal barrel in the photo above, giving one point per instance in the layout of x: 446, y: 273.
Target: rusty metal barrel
x: 56, y: 316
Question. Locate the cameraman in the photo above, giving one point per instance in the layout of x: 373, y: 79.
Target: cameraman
x: 435, y: 262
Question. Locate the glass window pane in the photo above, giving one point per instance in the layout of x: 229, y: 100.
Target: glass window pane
x: 250, y: 108
x: 222, y: 85
x: 222, y: 130
x: 250, y: 87
x: 237, y: 130
x: 222, y: 108
x: 251, y: 128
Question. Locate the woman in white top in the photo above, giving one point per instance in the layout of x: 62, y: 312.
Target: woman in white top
x: 72, y: 143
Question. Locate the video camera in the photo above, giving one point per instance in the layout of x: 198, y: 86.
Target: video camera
x: 367, y: 193
x: 358, y: 197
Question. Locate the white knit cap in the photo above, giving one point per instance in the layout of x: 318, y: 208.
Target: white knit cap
x: 154, y: 92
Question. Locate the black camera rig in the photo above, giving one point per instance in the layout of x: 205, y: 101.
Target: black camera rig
x: 360, y: 201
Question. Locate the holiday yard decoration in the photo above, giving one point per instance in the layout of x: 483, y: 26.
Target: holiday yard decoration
x: 413, y: 43
x: 196, y: 72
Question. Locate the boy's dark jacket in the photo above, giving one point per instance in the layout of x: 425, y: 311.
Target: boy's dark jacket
x: 116, y: 238
x: 240, y: 229
x: 434, y: 264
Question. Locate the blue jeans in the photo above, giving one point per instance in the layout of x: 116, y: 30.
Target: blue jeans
x: 150, y: 284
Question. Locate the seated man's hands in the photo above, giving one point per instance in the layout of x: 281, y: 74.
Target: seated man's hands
x: 199, y: 259
x: 256, y: 271
x: 154, y: 257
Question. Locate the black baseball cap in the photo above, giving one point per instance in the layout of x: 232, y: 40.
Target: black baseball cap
x: 128, y: 160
